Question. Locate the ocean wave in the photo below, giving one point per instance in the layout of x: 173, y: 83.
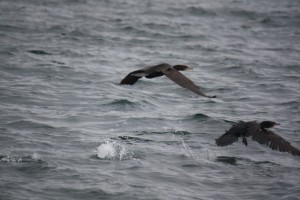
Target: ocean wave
x: 132, y: 139
x: 227, y: 159
x: 39, y: 52
x: 175, y: 132
x: 199, y: 117
x: 121, y: 102
x: 34, y: 158
x: 251, y: 14
x: 200, y: 11
x: 25, y: 124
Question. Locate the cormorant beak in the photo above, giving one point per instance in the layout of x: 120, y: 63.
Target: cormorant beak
x: 189, y: 68
x: 276, y: 124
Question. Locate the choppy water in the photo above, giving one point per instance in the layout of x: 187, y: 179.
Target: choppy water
x: 69, y: 131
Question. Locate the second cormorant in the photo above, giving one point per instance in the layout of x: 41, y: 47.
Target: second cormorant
x: 259, y: 133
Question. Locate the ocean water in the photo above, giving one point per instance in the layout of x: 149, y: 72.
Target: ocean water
x: 68, y: 130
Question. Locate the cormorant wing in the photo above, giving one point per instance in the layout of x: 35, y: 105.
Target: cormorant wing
x: 148, y: 72
x: 133, y: 77
x: 226, y: 139
x: 230, y: 136
x: 274, y: 141
x: 183, y: 81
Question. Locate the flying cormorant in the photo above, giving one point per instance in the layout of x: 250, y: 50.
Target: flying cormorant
x: 259, y: 133
x: 172, y: 72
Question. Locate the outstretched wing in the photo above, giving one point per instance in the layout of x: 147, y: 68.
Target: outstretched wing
x: 274, y: 141
x: 148, y: 72
x: 132, y: 77
x: 226, y: 139
x: 183, y: 81
x: 230, y: 136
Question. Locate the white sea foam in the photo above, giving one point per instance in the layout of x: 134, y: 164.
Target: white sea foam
x: 106, y: 150
x: 113, y: 150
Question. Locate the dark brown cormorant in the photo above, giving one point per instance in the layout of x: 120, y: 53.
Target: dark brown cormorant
x: 172, y: 72
x: 259, y: 133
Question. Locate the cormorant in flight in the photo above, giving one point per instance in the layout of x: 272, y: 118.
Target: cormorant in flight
x: 172, y: 72
x: 259, y: 133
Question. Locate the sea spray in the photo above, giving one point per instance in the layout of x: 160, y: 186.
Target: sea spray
x: 113, y: 150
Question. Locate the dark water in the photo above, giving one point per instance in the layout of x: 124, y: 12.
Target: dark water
x: 69, y: 131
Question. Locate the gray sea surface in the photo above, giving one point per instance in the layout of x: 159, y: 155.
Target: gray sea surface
x: 68, y: 130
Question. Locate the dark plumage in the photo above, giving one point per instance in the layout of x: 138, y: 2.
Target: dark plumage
x: 172, y: 72
x: 259, y: 133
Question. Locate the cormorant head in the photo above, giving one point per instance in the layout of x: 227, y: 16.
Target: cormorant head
x: 182, y: 67
x: 268, y: 124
